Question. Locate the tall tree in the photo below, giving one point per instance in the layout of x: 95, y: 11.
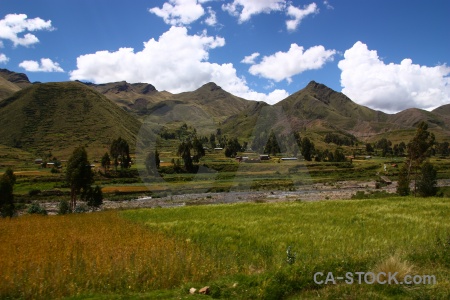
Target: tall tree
x: 403, y: 188
x: 426, y: 185
x: 79, y: 175
x: 184, y: 151
x: 120, y: 152
x: 418, y: 149
x: 307, y: 148
x: 106, y: 161
x: 7, y: 181
x: 152, y: 162
x: 94, y: 197
x: 272, y: 146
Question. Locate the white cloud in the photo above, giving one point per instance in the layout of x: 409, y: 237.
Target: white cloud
x: 244, y: 9
x: 299, y: 14
x: 15, y: 24
x: 250, y: 59
x: 179, y: 12
x: 3, y: 58
x: 212, y: 19
x: 284, y: 65
x: 176, y: 62
x: 327, y: 4
x: 392, y: 87
x: 46, y: 65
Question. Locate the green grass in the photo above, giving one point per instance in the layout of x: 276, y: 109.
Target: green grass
x: 250, y: 240
x: 238, y: 250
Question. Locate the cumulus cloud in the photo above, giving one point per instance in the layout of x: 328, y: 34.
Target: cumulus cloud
x: 3, y: 58
x: 392, y: 87
x: 284, y: 65
x: 13, y: 25
x: 244, y: 9
x: 299, y: 14
x: 176, y: 62
x: 179, y: 12
x: 250, y: 59
x: 46, y: 65
x: 211, y: 20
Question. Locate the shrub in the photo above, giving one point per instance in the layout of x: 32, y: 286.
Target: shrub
x: 81, y: 208
x: 36, y: 208
x: 63, y: 207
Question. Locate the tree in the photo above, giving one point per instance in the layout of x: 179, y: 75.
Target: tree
x: 418, y: 150
x: 7, y: 181
x: 120, y: 151
x: 94, y: 197
x: 272, y: 146
x: 369, y: 148
x: 307, y: 148
x: 403, y: 188
x: 199, y: 151
x: 106, y: 161
x: 79, y: 175
x: 443, y: 149
x: 426, y: 185
x: 152, y: 162
x: 232, y: 147
x: 184, y: 151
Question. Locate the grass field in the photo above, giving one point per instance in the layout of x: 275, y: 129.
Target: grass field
x: 238, y: 250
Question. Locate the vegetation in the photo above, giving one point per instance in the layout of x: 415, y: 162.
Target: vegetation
x: 78, y: 175
x: 120, y: 152
x: 242, y: 251
x: 419, y: 149
x: 7, y: 181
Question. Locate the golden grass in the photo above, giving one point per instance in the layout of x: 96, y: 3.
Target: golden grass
x: 52, y: 257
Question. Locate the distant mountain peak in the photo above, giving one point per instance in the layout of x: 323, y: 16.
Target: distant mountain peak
x: 18, y: 78
x: 211, y: 86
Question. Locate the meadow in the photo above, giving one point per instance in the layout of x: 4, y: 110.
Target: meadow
x: 239, y: 250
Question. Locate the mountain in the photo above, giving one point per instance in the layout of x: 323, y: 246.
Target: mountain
x: 58, y: 117
x: 443, y: 110
x: 11, y: 82
x: 134, y: 98
x: 317, y: 110
x: 208, y: 104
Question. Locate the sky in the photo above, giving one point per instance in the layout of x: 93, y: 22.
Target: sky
x: 387, y: 55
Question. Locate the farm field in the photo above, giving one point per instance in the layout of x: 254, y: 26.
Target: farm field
x: 238, y: 250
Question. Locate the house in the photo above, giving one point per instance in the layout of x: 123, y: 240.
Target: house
x: 38, y: 161
x: 218, y: 148
x: 264, y: 157
x: 289, y: 158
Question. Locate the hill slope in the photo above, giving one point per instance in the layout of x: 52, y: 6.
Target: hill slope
x: 58, y: 117
x: 317, y: 109
x: 11, y: 82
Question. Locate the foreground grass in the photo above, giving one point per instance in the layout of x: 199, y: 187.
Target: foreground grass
x: 53, y: 257
x: 238, y: 250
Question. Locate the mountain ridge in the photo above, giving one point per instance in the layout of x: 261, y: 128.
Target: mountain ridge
x: 315, y: 108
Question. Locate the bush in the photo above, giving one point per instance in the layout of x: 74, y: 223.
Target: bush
x: 81, y: 208
x: 36, y: 208
x: 63, y: 207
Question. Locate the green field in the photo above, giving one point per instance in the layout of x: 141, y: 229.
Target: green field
x: 238, y: 250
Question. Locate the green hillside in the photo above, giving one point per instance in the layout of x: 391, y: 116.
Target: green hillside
x: 58, y: 117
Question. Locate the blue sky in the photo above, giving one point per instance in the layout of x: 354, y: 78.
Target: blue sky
x: 388, y: 55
